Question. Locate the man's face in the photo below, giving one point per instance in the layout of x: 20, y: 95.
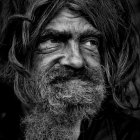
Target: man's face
x: 69, y: 83
x: 70, y: 41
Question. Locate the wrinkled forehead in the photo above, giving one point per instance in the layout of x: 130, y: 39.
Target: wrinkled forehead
x: 69, y: 21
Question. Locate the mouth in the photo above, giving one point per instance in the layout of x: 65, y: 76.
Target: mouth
x: 71, y: 78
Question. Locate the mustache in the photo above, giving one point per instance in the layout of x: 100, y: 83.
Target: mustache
x: 56, y: 112
x: 61, y: 74
x: 63, y: 84
x: 37, y: 88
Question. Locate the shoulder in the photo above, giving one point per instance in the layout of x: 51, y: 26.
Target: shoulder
x: 126, y: 127
x: 113, y: 126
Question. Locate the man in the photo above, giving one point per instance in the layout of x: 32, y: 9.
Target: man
x: 71, y: 62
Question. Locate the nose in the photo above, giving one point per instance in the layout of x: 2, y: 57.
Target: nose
x: 72, y: 56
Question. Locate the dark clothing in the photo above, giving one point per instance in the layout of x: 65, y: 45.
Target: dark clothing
x: 112, y: 126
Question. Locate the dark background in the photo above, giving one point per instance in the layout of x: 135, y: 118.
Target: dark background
x: 136, y: 18
x: 10, y: 106
x: 136, y: 15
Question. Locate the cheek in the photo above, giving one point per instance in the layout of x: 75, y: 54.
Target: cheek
x: 47, y: 60
x: 92, y: 61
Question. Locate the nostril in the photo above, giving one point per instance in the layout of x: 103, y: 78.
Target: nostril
x: 72, y: 61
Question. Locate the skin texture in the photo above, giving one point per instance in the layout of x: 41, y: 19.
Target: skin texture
x: 72, y: 53
x: 67, y: 83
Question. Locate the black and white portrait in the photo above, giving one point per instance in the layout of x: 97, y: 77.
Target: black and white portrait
x: 69, y: 70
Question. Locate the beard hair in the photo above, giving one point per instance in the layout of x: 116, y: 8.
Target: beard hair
x: 62, y: 96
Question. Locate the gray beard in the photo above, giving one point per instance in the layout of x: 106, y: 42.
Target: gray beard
x: 62, y: 97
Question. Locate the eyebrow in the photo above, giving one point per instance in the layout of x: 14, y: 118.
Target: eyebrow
x: 64, y: 36
x: 90, y: 33
x: 55, y: 34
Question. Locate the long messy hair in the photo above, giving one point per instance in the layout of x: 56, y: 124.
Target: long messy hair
x: 23, y: 21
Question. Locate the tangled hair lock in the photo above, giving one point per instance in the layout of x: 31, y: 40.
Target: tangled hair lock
x: 23, y: 21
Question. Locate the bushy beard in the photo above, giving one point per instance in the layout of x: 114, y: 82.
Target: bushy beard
x: 62, y: 97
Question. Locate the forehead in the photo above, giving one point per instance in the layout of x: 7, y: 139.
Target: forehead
x: 69, y: 21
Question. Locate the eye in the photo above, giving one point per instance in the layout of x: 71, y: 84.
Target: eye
x: 91, y: 44
x: 49, y: 45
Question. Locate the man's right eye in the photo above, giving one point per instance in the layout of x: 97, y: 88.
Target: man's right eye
x: 49, y: 46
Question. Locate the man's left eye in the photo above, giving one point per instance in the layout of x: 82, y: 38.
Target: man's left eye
x: 91, y: 44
